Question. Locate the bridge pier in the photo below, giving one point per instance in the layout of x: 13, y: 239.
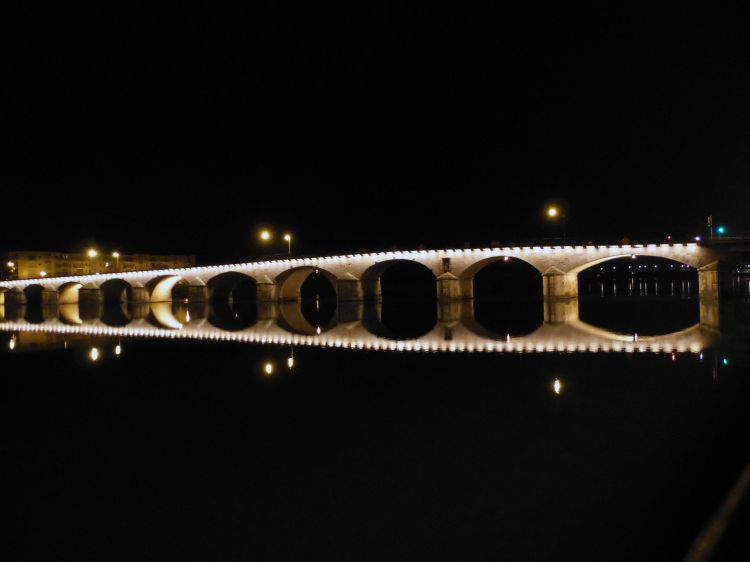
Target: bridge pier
x: 349, y: 288
x: 710, y: 281
x: 268, y: 311
x: 451, y: 312
x: 267, y: 290
x: 15, y: 297
x: 50, y: 297
x: 90, y: 301
x: 350, y: 311
x: 559, y: 285
x: 448, y: 287
x: 560, y: 311
x: 49, y: 311
x: 138, y: 310
x: 138, y: 295
x: 198, y: 293
x: 709, y: 295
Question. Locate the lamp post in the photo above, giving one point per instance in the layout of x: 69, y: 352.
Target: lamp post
x: 288, y: 239
x: 116, y: 255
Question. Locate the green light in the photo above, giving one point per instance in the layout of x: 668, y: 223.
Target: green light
x: 725, y: 361
x: 721, y: 230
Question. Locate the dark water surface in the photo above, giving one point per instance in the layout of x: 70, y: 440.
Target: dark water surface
x: 188, y: 450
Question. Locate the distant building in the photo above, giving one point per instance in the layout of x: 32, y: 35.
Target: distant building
x: 28, y: 265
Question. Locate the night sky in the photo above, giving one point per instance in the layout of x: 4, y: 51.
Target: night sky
x: 182, y: 131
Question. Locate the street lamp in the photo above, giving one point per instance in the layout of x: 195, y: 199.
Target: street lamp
x: 91, y: 254
x: 265, y: 235
x: 288, y: 239
x: 116, y: 255
x: 553, y: 213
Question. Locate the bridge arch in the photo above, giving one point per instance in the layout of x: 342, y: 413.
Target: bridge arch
x: 116, y: 291
x: 694, y: 263
x: 68, y: 292
x: 233, y: 297
x: 292, y: 319
x: 290, y: 282
x: 468, y: 276
x: 232, y: 286
x: 160, y: 288
x: 34, y: 292
x: 372, y: 287
x: 162, y: 315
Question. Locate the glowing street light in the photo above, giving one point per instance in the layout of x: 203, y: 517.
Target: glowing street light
x: 42, y: 274
x: 553, y: 213
x: 11, y: 264
x: 268, y: 368
x: 94, y: 354
x: 265, y: 235
x: 288, y: 240
x: 116, y: 255
x: 91, y: 253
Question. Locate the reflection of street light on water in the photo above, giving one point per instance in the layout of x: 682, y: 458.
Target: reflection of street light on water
x: 557, y: 386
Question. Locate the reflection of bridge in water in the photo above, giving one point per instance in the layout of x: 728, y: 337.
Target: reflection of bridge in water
x: 357, y: 326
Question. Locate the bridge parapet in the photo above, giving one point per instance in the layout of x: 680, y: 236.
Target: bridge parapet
x: 357, y: 276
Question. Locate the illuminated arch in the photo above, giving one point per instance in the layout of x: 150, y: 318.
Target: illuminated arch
x: 68, y: 292
x: 640, y: 254
x: 160, y: 288
x: 290, y: 281
x: 161, y: 315
x: 69, y: 314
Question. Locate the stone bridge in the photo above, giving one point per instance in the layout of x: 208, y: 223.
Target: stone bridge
x: 356, y: 277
